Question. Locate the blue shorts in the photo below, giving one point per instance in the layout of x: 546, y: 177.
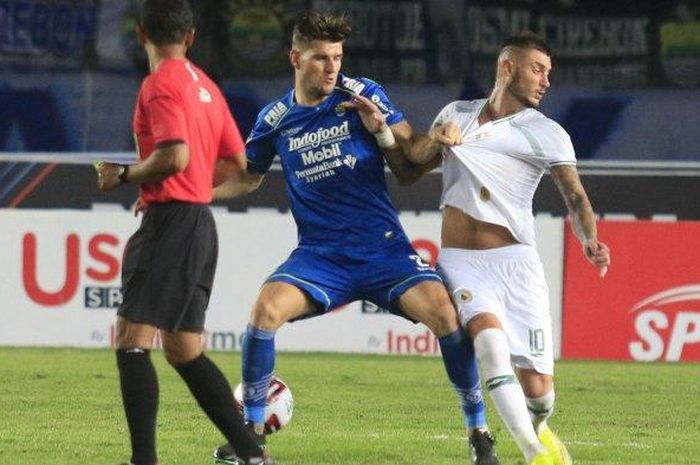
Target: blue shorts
x: 333, y: 279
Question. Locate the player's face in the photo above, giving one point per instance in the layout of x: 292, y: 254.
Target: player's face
x: 530, y: 77
x: 317, y: 67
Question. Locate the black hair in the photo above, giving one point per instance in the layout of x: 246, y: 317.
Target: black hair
x: 166, y: 21
x: 528, y: 40
x: 314, y: 25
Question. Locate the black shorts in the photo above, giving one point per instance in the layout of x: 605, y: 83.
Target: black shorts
x: 169, y: 266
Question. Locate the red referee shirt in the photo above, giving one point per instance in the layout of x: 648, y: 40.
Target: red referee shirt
x: 180, y: 102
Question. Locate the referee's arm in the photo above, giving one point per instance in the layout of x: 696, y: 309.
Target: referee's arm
x: 238, y: 184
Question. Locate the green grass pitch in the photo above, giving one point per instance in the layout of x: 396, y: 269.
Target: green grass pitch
x: 62, y: 407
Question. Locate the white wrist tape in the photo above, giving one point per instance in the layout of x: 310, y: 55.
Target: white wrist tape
x: 385, y: 138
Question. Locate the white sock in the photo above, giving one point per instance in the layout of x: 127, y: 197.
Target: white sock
x: 540, y: 409
x: 493, y: 352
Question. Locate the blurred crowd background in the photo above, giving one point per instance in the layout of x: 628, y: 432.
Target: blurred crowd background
x: 626, y: 79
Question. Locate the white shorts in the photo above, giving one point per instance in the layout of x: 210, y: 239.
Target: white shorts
x: 508, y: 282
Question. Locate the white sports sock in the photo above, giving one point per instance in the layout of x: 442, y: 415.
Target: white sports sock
x: 540, y: 409
x: 493, y: 352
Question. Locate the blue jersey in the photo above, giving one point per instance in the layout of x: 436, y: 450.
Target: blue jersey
x: 333, y: 167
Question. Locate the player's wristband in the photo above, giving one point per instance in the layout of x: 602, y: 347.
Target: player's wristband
x: 385, y: 138
x: 123, y: 174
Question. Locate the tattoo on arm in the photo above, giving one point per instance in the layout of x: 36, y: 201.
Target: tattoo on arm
x: 582, y: 217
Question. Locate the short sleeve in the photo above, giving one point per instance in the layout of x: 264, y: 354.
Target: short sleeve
x: 166, y: 116
x: 376, y: 94
x: 444, y: 116
x: 557, y: 148
x: 260, y: 147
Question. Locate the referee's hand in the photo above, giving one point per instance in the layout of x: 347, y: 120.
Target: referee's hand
x: 107, y: 175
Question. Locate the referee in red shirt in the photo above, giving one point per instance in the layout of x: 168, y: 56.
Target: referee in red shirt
x: 187, y: 142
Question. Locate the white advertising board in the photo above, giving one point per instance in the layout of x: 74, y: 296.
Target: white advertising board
x: 60, y: 277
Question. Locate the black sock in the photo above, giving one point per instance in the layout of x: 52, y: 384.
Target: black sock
x: 214, y: 395
x: 139, y: 385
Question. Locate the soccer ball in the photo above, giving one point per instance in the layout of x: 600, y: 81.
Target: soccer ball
x: 278, y: 408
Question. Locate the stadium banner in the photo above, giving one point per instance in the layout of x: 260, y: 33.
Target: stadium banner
x: 602, y: 47
x: 393, y: 40
x: 60, y: 279
x: 647, y: 308
x: 48, y: 33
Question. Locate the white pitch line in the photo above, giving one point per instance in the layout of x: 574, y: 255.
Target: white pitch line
x: 633, y: 445
x: 450, y: 437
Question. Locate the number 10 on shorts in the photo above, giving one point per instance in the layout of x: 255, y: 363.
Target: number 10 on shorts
x: 536, y: 341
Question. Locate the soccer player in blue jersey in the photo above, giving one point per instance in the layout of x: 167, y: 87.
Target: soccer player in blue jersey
x: 333, y: 135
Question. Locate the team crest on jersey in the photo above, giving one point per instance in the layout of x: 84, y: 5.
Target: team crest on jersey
x: 484, y: 194
x: 204, y: 95
x: 463, y: 296
x: 275, y: 113
x: 340, y: 109
x: 350, y: 161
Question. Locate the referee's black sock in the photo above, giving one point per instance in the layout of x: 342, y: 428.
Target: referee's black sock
x: 139, y: 386
x: 214, y: 395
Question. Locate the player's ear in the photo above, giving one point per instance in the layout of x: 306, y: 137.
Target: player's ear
x: 509, y: 67
x: 141, y: 35
x: 189, y: 38
x: 295, y: 58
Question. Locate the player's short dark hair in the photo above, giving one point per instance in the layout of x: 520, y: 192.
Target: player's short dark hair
x: 315, y: 25
x: 528, y: 40
x: 166, y: 21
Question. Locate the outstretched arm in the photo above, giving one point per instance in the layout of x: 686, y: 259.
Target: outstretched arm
x: 408, y: 154
x: 238, y: 184
x: 423, y: 148
x: 407, y: 171
x: 582, y: 217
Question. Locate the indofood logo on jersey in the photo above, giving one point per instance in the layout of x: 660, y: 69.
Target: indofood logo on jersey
x: 667, y: 324
x: 321, y: 136
x: 320, y: 152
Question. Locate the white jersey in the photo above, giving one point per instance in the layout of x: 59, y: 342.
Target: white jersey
x: 492, y: 176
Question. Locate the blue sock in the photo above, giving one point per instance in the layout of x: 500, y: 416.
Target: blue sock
x: 258, y: 360
x: 460, y: 363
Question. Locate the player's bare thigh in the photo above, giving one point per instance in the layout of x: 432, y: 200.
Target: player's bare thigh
x: 429, y: 303
x: 277, y: 303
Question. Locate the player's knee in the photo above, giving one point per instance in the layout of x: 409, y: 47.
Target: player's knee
x: 132, y: 335
x: 442, y: 319
x: 180, y: 353
x: 176, y: 358
x: 537, y: 385
x: 268, y: 314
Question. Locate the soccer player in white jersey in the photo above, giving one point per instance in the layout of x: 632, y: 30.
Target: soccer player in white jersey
x: 488, y: 256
